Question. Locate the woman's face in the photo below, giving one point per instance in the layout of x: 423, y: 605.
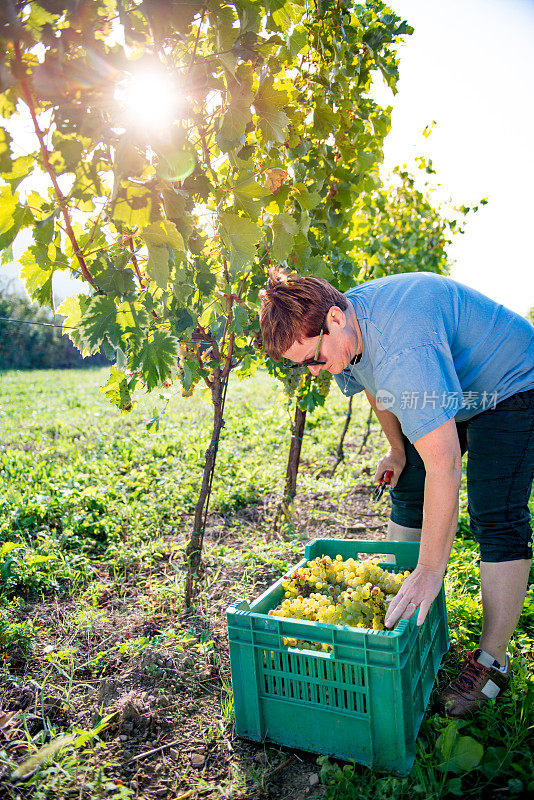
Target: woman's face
x: 337, y: 346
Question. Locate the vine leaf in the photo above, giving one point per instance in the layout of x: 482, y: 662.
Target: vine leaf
x: 132, y: 206
x: 20, y: 169
x: 238, y: 114
x: 163, y: 232
x: 38, y: 264
x: 268, y: 104
x: 240, y: 318
x: 239, y: 237
x: 233, y: 125
x: 156, y: 357
x: 275, y: 177
x: 307, y: 200
x: 8, y: 205
x: 5, y: 152
x: 68, y: 150
x: 73, y: 309
x: 325, y: 120
x: 190, y: 373
x: 20, y: 218
x: 116, y: 282
x: 132, y: 318
x: 158, y: 265
x: 117, y: 390
x: 297, y: 41
x: 284, y: 230
x: 128, y: 160
x: 163, y: 241
x: 99, y: 324
x: 317, y: 266
x: 222, y: 18
x: 248, y: 193
x: 7, y: 255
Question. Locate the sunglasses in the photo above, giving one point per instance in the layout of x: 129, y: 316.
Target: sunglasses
x: 311, y: 362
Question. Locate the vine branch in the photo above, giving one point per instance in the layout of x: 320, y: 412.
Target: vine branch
x: 135, y: 262
x: 193, y: 56
x: 46, y: 160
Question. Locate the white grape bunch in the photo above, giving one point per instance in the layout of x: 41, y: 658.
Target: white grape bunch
x: 323, y: 381
x: 291, y: 380
x: 353, y: 593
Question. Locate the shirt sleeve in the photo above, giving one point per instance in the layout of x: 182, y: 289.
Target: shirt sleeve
x: 420, y: 386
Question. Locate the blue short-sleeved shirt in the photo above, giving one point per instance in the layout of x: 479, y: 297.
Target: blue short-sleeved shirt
x: 434, y: 349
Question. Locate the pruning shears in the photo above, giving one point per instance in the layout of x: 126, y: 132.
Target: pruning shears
x: 378, y: 491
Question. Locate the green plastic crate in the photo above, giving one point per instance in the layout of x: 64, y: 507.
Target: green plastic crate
x: 362, y: 702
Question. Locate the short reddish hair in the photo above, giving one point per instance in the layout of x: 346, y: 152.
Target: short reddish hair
x: 293, y: 308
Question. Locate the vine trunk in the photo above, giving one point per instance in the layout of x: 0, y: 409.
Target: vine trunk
x: 290, y: 489
x: 340, y: 454
x: 194, y: 547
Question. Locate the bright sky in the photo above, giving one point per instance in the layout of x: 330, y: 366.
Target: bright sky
x: 469, y: 65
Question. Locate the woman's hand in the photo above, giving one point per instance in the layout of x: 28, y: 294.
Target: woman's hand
x: 394, y: 460
x: 418, y: 591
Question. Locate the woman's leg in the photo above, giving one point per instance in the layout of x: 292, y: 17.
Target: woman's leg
x: 504, y: 586
x: 500, y: 469
x: 400, y: 533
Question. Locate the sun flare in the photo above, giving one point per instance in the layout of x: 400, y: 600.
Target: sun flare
x: 151, y: 100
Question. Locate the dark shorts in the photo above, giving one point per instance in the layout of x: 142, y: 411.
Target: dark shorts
x: 500, y: 469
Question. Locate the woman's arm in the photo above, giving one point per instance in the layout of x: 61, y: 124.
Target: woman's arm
x: 390, y: 424
x: 440, y: 451
x: 395, y: 458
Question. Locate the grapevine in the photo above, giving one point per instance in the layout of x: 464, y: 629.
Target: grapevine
x: 351, y: 592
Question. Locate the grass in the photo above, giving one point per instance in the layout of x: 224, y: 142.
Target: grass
x: 95, y: 643
x: 82, y: 478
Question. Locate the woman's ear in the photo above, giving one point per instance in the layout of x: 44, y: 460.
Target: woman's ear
x: 337, y: 316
